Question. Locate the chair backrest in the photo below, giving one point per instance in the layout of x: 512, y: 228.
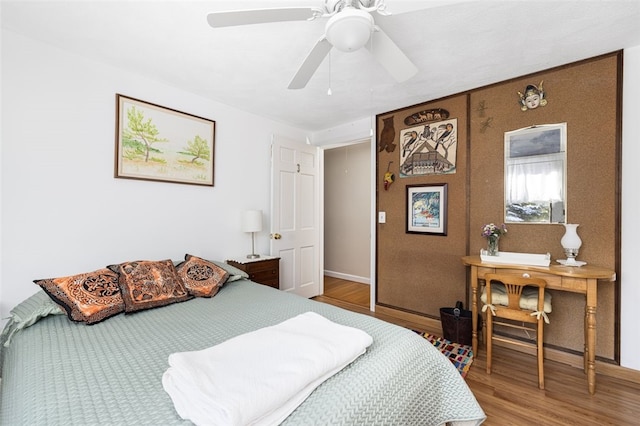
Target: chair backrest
x: 514, y: 284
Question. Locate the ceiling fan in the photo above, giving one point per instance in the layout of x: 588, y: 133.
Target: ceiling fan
x: 351, y: 26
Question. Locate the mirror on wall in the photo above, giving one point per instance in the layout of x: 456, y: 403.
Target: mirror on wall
x: 535, y: 171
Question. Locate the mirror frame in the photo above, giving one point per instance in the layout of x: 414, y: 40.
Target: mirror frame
x: 544, y: 142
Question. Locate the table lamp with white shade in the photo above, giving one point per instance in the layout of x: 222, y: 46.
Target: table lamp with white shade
x: 252, y: 222
x: 571, y: 243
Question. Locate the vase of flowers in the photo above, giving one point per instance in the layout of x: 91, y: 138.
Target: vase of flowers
x: 493, y: 233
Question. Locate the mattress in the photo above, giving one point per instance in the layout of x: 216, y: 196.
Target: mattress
x: 57, y: 372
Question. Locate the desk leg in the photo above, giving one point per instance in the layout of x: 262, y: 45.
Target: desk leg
x: 474, y: 309
x: 590, y: 334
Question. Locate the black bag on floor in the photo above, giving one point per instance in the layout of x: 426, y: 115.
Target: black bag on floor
x: 457, y: 324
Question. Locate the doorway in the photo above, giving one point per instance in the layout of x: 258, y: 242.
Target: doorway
x: 348, y: 222
x: 295, y: 215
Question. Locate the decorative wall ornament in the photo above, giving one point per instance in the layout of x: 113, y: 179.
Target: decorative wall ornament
x: 387, y: 135
x: 482, y: 107
x: 429, y: 149
x: 533, y: 97
x: 481, y: 110
x: 485, y: 124
x: 427, y: 116
x: 389, y: 177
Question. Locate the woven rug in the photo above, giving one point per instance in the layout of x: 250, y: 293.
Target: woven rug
x: 460, y: 355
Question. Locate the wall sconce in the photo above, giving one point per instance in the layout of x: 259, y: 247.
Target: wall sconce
x: 252, y: 222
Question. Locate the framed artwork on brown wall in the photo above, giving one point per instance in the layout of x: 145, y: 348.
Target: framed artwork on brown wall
x: 429, y: 149
x: 427, y: 209
x: 161, y: 144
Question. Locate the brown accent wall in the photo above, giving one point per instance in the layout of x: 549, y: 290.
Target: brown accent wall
x: 418, y: 272
x: 421, y: 273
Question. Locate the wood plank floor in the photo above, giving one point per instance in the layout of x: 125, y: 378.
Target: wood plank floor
x: 510, y: 395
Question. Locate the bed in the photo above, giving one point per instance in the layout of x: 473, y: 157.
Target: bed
x: 59, y: 372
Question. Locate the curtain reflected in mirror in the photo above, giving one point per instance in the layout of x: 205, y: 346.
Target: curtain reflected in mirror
x: 535, y: 174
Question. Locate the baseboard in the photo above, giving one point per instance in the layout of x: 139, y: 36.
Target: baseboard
x: 348, y: 277
x: 574, y: 360
x: 425, y: 322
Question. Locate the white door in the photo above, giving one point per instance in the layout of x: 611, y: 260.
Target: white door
x: 295, y: 215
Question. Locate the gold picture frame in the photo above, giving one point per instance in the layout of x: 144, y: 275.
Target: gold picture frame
x: 161, y: 144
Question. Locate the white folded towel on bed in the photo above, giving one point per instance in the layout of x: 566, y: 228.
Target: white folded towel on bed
x: 259, y: 378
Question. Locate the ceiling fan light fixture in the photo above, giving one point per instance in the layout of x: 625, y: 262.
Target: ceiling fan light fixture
x: 350, y: 29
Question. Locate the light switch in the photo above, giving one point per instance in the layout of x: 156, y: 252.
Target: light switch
x: 382, y: 217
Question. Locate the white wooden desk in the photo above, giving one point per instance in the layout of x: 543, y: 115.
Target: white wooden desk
x: 574, y: 279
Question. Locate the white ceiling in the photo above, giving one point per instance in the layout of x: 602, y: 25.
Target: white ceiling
x: 456, y: 45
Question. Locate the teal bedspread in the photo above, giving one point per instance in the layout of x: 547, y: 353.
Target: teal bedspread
x: 57, y: 372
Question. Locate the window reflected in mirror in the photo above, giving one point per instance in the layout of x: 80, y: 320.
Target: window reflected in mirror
x: 535, y: 174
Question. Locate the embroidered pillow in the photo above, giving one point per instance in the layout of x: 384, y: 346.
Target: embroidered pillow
x: 235, y: 274
x: 201, y: 277
x: 146, y: 284
x: 89, y: 297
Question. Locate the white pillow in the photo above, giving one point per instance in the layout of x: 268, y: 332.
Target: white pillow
x: 528, y: 299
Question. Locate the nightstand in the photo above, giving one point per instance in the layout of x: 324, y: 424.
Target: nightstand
x: 264, y: 270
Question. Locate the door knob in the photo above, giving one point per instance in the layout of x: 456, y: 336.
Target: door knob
x: 276, y: 236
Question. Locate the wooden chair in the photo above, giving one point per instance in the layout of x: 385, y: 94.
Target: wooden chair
x: 509, y: 308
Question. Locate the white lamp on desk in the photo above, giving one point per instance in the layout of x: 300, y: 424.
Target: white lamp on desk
x: 571, y: 244
x: 252, y: 222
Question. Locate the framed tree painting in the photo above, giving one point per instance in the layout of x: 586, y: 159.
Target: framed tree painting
x: 427, y: 209
x: 161, y: 144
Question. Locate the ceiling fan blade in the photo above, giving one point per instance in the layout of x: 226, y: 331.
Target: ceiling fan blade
x: 311, y: 64
x: 260, y: 16
x: 390, y: 56
x: 398, y: 7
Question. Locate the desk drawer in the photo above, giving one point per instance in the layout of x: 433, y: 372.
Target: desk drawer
x: 553, y: 281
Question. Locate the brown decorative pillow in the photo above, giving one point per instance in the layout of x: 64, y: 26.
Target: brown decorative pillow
x: 201, y: 277
x: 148, y: 284
x: 90, y: 297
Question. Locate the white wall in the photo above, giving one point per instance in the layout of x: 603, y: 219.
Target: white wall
x: 62, y: 210
x: 630, y: 273
x: 347, y: 212
x: 345, y: 133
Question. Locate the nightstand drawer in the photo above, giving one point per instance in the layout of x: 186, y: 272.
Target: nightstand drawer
x: 264, y: 275
x: 262, y: 271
